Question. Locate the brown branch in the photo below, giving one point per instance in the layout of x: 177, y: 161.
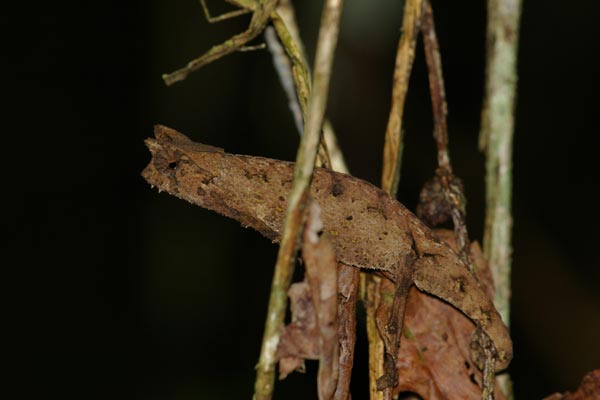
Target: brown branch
x: 405, y: 55
x: 436, y: 86
x: 303, y: 170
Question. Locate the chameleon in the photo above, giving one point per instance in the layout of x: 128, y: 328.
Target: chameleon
x: 369, y: 229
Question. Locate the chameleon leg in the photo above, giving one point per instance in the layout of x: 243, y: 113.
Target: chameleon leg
x: 392, y: 331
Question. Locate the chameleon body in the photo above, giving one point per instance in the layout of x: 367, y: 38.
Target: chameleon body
x: 369, y: 228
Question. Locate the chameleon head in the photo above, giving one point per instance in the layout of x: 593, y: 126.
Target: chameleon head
x: 176, y: 159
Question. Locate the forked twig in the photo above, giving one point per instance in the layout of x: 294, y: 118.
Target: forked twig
x: 297, y: 198
x: 261, y: 15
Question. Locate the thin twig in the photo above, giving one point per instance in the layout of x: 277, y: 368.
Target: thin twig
x: 285, y: 11
x: 222, y: 17
x: 371, y: 288
x: 451, y: 185
x: 297, y: 198
x: 436, y: 86
x: 300, y: 73
x: 496, y: 139
x: 286, y: 27
x: 405, y: 55
x: 497, y: 124
x: 284, y: 71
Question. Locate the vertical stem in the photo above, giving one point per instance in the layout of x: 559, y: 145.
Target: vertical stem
x: 372, y: 298
x: 452, y: 188
x: 303, y: 170
x: 436, y: 86
x: 497, y: 123
x: 496, y: 139
x: 405, y: 55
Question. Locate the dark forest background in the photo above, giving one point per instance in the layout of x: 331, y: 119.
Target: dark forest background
x: 115, y: 291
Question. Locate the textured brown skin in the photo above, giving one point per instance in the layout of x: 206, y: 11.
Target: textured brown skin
x: 369, y: 229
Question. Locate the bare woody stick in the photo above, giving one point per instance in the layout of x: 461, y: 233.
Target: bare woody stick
x: 436, y: 86
x: 405, y: 55
x: 451, y: 185
x: 496, y: 139
x: 287, y: 17
x: 303, y: 170
x: 299, y: 72
x: 497, y: 124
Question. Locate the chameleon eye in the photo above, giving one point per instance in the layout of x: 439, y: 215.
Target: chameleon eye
x: 173, y: 165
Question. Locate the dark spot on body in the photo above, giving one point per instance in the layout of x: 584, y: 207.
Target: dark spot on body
x: 445, y: 337
x: 200, y: 191
x: 281, y: 198
x: 349, y: 218
x: 337, y: 189
x: 472, y: 378
x: 207, y: 180
x: 461, y: 284
x: 260, y: 175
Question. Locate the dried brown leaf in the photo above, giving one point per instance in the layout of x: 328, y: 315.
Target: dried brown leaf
x: 589, y: 389
x: 434, y: 358
x: 299, y: 340
x: 319, y: 257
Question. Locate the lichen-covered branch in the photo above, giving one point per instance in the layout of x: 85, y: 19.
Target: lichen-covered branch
x: 303, y: 170
x: 496, y: 138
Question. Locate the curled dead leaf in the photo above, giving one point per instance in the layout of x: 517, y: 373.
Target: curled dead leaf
x: 434, y: 357
x: 313, y: 332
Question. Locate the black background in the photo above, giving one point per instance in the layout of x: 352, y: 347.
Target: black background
x: 115, y: 291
